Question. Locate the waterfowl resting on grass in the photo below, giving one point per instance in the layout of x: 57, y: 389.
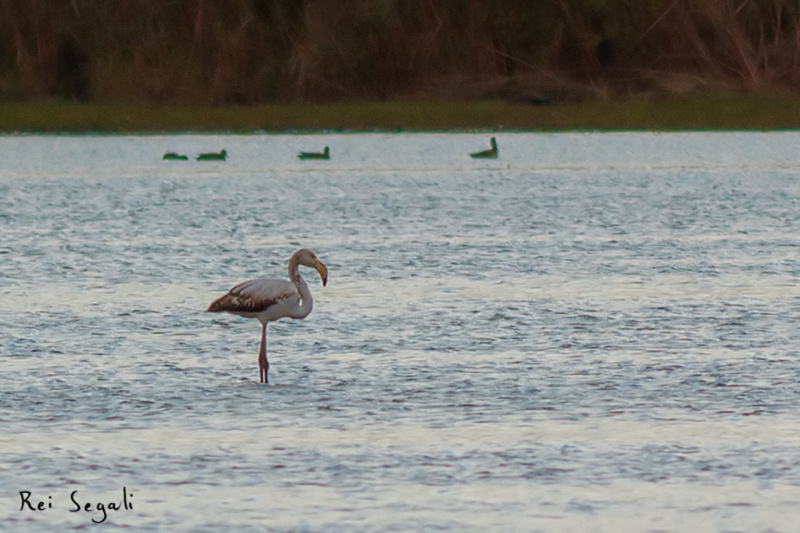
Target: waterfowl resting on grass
x: 269, y: 299
x: 172, y: 156
x: 487, y: 154
x: 325, y: 154
x: 222, y: 155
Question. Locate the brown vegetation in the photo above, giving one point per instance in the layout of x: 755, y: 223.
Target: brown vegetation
x: 206, y: 52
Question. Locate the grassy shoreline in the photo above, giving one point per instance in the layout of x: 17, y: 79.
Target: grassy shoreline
x: 737, y: 112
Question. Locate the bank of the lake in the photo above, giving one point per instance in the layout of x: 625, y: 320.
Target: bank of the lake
x: 726, y: 112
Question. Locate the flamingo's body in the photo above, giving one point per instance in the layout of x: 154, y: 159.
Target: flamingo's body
x: 269, y: 299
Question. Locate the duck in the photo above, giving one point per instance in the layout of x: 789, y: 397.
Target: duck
x: 222, y: 155
x: 173, y: 156
x: 487, y: 154
x: 325, y: 154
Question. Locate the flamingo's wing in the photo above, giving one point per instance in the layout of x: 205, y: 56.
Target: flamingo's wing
x: 255, y: 296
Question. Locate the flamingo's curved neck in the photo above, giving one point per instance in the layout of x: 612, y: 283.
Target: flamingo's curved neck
x: 307, y: 302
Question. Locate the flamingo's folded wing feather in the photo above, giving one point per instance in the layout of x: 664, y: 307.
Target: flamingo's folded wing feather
x: 254, y: 296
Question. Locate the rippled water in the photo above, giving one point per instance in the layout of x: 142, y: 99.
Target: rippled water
x: 595, y: 332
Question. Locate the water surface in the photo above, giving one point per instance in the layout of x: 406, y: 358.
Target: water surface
x: 594, y: 332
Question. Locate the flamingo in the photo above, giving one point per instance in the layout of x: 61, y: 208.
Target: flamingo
x: 487, y: 154
x: 269, y: 299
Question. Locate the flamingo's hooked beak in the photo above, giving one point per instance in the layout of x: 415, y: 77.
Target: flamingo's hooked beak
x: 323, y: 272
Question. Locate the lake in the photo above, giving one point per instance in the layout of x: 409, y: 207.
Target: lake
x: 593, y: 332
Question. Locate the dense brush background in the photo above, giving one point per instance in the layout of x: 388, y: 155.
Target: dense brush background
x: 207, y: 52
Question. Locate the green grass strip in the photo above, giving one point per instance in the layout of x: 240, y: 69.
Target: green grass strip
x: 737, y: 112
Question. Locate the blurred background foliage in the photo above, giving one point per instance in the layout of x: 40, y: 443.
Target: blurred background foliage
x: 244, y: 52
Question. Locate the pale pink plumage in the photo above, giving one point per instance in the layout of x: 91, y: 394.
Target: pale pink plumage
x: 269, y: 299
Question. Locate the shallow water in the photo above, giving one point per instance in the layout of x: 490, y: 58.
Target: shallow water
x: 595, y: 332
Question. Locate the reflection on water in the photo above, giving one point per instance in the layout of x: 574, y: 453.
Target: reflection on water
x: 593, y: 332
